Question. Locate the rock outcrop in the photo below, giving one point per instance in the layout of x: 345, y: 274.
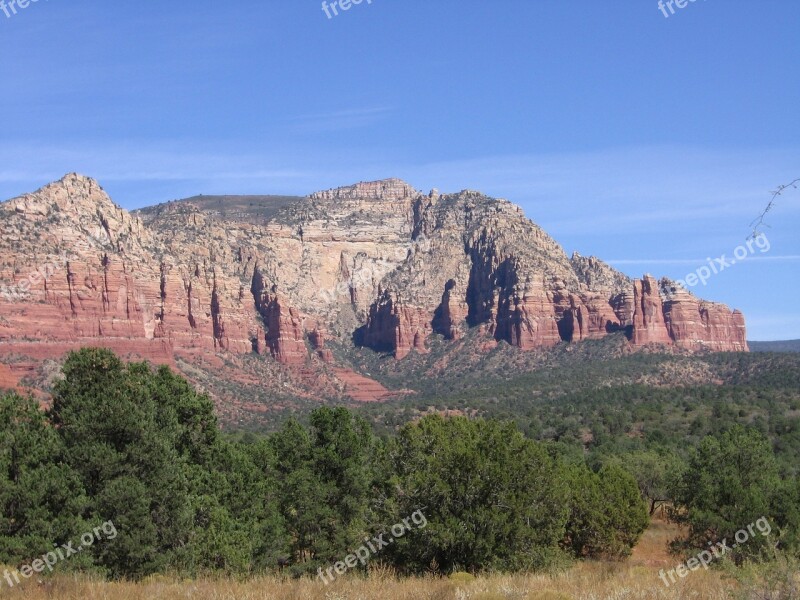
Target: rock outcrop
x: 376, y: 262
x: 486, y: 265
x: 694, y: 324
x: 649, y: 324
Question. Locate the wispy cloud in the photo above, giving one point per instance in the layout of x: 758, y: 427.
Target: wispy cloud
x: 147, y: 162
x: 339, y: 120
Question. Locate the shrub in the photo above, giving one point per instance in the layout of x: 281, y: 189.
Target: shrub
x: 461, y: 577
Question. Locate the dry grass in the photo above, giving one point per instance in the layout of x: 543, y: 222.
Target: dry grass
x: 588, y: 581
x: 636, y: 579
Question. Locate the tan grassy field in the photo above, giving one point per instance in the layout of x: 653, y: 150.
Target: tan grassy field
x: 584, y: 582
x: 637, y: 578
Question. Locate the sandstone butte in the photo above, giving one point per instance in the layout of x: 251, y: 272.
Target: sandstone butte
x: 379, y: 263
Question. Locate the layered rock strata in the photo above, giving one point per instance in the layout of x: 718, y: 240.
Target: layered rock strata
x: 376, y: 262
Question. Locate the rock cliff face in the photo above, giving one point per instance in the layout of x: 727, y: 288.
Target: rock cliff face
x: 485, y: 264
x: 697, y: 325
x: 376, y: 262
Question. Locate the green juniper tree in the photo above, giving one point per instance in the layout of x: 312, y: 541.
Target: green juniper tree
x: 42, y: 501
x: 492, y: 499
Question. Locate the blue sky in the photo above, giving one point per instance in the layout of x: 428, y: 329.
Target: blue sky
x: 651, y: 142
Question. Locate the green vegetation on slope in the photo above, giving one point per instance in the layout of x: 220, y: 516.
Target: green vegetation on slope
x: 139, y: 448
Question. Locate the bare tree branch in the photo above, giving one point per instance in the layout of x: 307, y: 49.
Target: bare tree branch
x: 758, y: 223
